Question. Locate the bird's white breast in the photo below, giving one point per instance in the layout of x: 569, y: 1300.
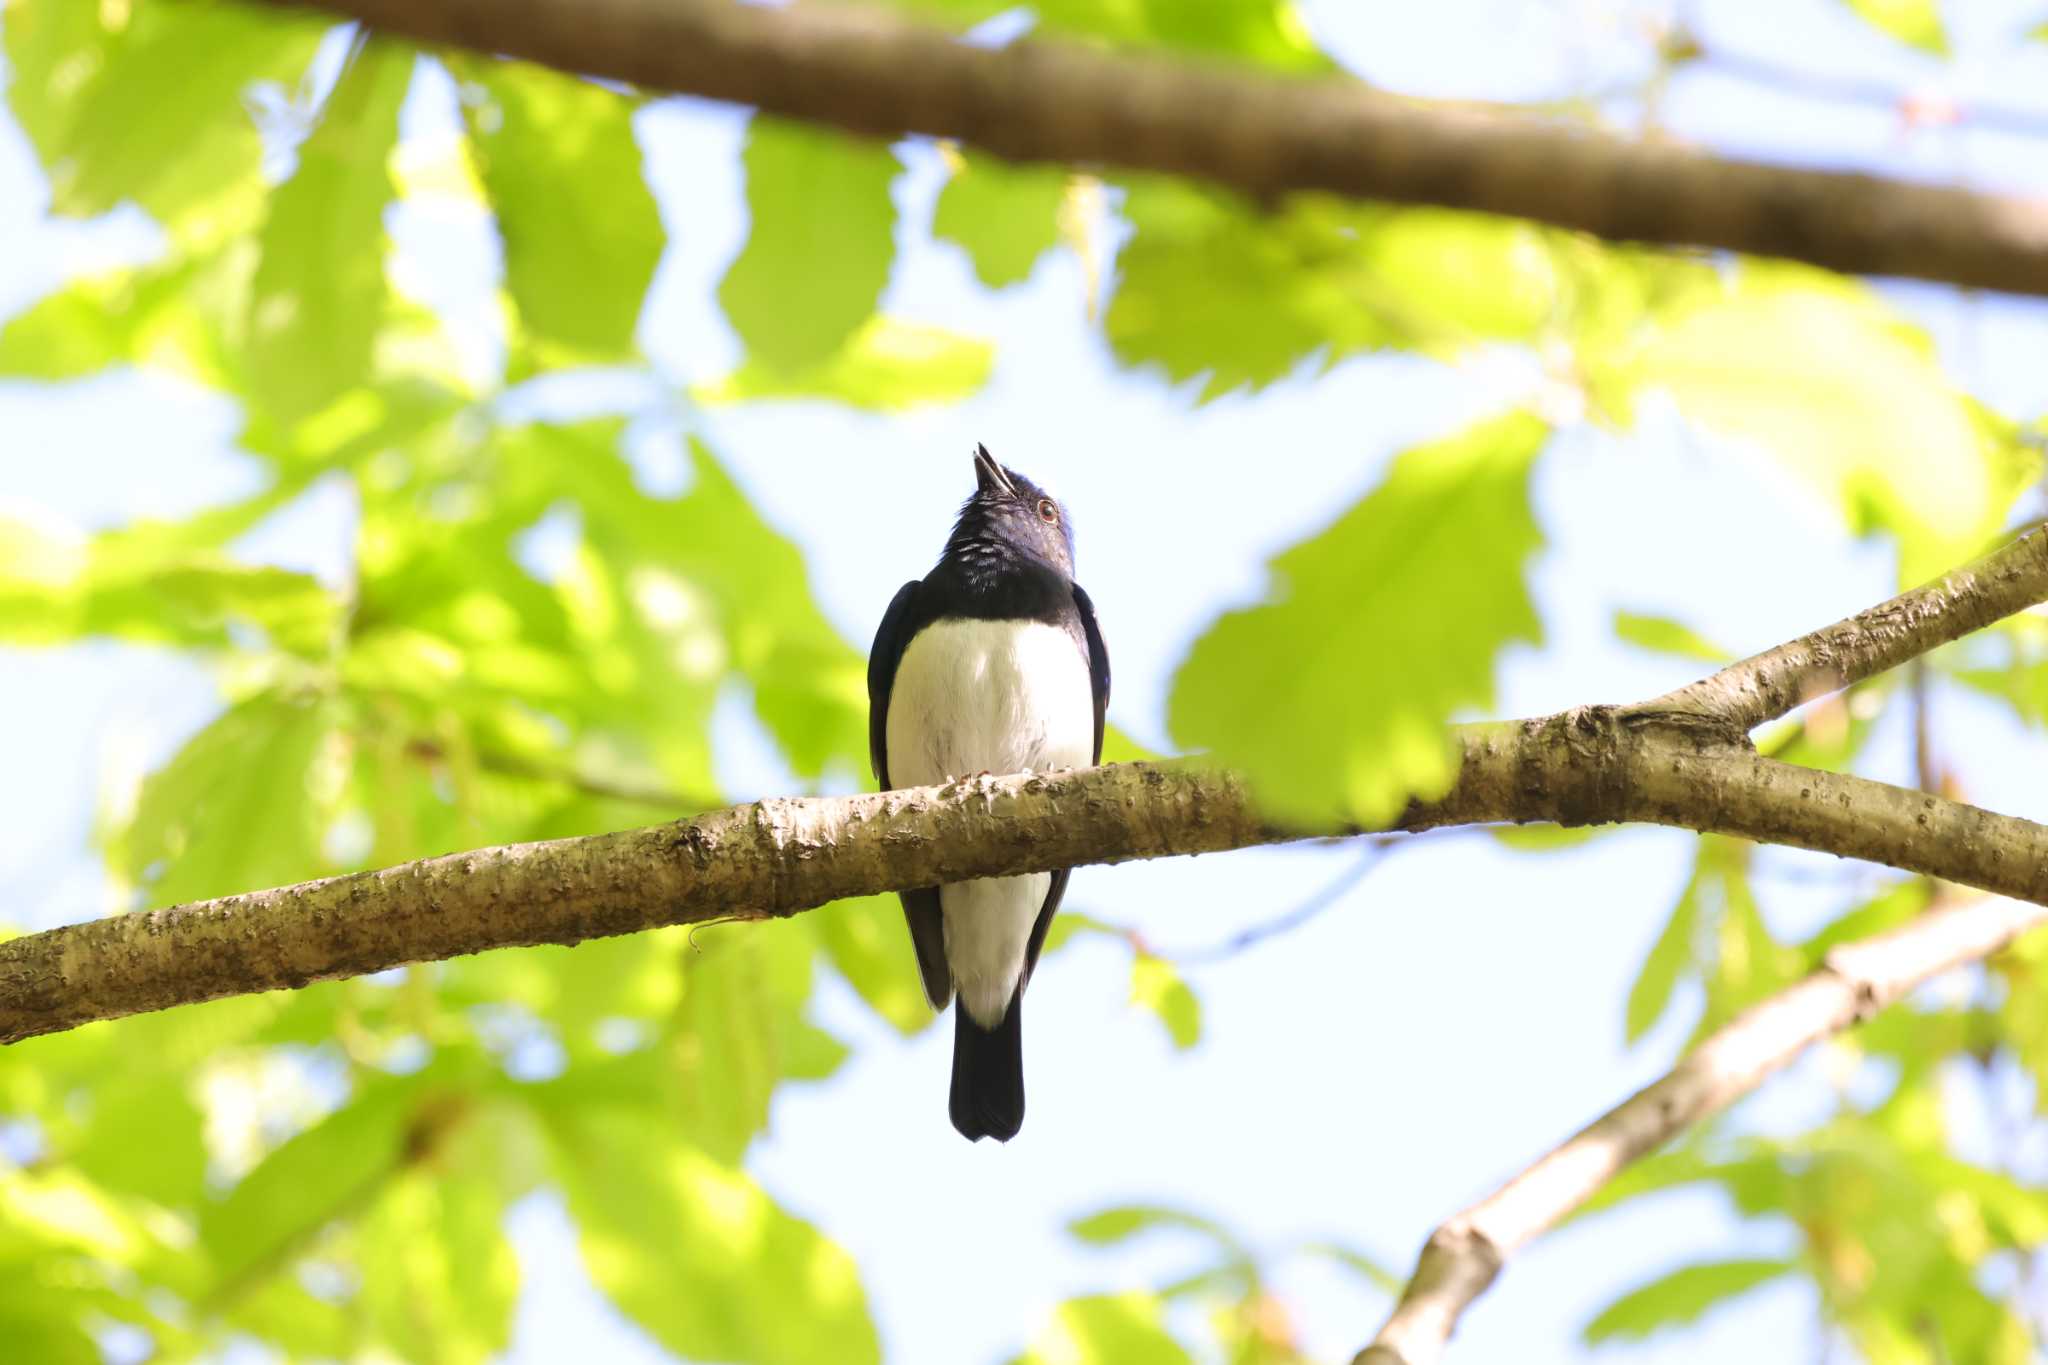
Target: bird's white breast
x: 999, y: 697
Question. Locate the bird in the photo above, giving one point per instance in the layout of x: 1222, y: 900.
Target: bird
x: 991, y: 663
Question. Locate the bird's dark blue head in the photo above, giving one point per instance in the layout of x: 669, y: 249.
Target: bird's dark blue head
x: 1010, y: 525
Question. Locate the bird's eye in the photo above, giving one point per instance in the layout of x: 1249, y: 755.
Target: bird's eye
x: 1048, y: 511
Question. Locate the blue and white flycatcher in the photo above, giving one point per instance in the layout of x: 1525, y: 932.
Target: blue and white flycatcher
x: 991, y: 663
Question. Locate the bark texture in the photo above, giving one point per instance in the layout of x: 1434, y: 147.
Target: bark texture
x: 1668, y: 764
x: 878, y: 74
x: 1767, y: 685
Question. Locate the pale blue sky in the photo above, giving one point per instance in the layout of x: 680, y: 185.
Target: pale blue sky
x: 1359, y: 1078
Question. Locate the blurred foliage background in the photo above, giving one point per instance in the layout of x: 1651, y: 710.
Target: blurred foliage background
x: 325, y: 1174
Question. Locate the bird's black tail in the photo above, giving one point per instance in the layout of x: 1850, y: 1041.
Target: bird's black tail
x: 988, y: 1073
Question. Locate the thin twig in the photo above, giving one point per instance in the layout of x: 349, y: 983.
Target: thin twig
x: 1855, y: 981
x: 1318, y: 901
x: 628, y: 793
x: 1916, y: 107
x: 1767, y: 685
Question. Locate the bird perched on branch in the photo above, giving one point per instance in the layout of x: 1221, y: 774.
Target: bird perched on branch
x: 991, y: 663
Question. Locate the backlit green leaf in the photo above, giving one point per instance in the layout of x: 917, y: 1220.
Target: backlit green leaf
x: 1210, y: 286
x: 563, y: 173
x: 234, y: 810
x: 333, y: 1170
x: 149, y: 316
x: 1108, y: 1227
x: 319, y: 293
x: 887, y: 365
x: 1334, y: 695
x: 1665, y: 636
x: 739, y: 1031
x: 1005, y: 217
x: 867, y: 943
x: 1916, y: 23
x: 1158, y: 987
x: 1268, y: 33
x: 1542, y: 838
x: 1683, y: 1296
x: 439, y: 1278
x: 820, y: 245
x: 1670, y: 957
x: 1818, y: 374
x: 1122, y: 1329
x: 145, y: 102
x: 697, y: 1254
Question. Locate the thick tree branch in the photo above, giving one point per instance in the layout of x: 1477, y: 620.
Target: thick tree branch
x: 1679, y: 761
x: 1857, y: 979
x: 1042, y: 101
x: 1598, y: 765
x: 1682, y: 760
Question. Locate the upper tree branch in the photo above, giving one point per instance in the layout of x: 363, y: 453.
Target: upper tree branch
x: 1044, y: 101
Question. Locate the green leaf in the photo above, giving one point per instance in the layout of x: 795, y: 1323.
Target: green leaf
x: 1120, y: 1329
x: 1368, y: 1268
x: 1158, y: 986
x: 818, y: 253
x: 41, y: 1331
x: 565, y: 178
x: 233, y: 810
x: 1749, y: 964
x: 279, y: 1311
x: 867, y: 943
x: 1887, y: 910
x: 146, y: 102
x: 887, y: 365
x: 1378, y: 630
x: 695, y: 1253
x: 333, y: 1170
x: 1916, y: 23
x: 1005, y: 217
x: 1542, y: 838
x: 1068, y: 923
x: 439, y: 1279
x: 189, y: 600
x: 144, y: 1137
x: 149, y: 316
x: 740, y: 1031
x: 1665, y: 636
x: 575, y: 988
x: 1817, y: 373
x: 62, y: 1210
x: 1213, y: 287
x: 1683, y: 1296
x: 1108, y: 1227
x: 1268, y: 33
x: 1670, y: 957
x: 319, y: 293
x: 1119, y: 747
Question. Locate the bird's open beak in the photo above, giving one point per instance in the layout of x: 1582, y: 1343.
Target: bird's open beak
x: 989, y: 475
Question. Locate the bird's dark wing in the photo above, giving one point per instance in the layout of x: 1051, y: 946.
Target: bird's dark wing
x: 921, y: 907
x: 887, y: 651
x: 1098, y: 680
x: 1098, y: 663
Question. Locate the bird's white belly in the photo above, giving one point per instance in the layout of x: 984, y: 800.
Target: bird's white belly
x: 998, y: 697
